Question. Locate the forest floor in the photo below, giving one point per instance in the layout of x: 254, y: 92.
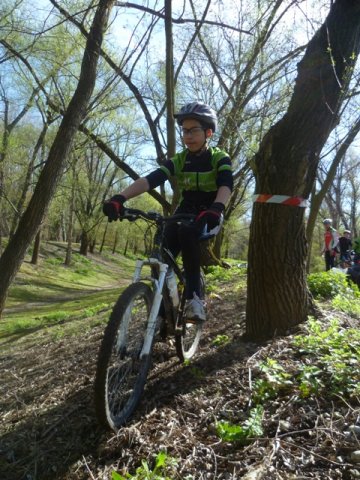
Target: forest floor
x: 48, y: 428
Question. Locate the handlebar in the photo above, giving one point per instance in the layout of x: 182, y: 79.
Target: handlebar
x: 133, y: 214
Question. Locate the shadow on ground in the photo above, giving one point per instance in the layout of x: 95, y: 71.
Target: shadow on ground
x: 49, y: 426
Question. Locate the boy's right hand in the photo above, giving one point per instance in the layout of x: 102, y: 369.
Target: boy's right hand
x: 114, y: 208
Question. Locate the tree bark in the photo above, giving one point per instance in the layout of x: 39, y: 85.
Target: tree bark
x: 29, y: 224
x: 84, y: 244
x: 69, y: 234
x: 36, y: 250
x: 286, y: 164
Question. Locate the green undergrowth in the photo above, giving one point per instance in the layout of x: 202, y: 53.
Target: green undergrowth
x: 164, y: 469
x: 336, y: 289
x: 217, y: 277
x: 321, y: 365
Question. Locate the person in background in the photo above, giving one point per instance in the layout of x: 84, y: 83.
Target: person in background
x: 354, y: 270
x: 345, y: 245
x: 331, y: 242
x: 205, y: 179
x: 357, y: 251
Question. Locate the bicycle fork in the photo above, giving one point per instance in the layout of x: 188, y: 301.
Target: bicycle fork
x: 158, y: 284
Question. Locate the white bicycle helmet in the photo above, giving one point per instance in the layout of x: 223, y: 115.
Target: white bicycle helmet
x: 327, y: 221
x: 198, y: 111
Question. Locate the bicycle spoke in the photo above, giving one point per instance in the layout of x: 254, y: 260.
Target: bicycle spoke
x: 121, y: 373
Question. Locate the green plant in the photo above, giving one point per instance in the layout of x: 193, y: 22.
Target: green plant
x: 220, y: 340
x: 309, y: 380
x: 216, y: 276
x: 251, y: 428
x: 327, y: 285
x: 334, y: 354
x: 197, y: 372
x: 348, y: 302
x: 164, y: 464
x: 56, y: 317
x: 276, y: 380
x: 55, y: 261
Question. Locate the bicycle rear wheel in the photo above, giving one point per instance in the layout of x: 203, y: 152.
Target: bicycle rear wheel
x: 121, y: 374
x: 188, y: 338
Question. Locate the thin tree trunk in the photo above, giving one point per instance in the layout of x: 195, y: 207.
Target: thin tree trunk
x: 84, y: 243
x: 27, y: 181
x: 36, y: 250
x: 286, y: 164
x: 68, y: 256
x: 29, y: 224
x: 103, y: 238
x: 115, y: 241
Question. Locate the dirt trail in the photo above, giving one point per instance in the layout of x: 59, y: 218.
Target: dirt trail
x: 49, y: 431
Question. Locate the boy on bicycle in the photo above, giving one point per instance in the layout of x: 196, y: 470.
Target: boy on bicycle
x: 205, y: 179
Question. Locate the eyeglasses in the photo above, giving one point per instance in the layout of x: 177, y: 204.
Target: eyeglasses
x: 191, y: 131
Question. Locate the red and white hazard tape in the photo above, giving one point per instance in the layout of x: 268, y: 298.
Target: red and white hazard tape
x: 281, y: 199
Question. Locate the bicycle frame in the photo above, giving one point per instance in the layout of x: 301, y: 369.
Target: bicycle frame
x: 125, y: 353
x: 158, y: 281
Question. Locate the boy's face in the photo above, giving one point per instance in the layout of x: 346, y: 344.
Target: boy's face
x: 194, y: 135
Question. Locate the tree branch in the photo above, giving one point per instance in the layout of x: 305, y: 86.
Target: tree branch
x: 178, y: 20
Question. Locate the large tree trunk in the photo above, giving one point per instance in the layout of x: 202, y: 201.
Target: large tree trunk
x: 286, y: 164
x: 29, y: 224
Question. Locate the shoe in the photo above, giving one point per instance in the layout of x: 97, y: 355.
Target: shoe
x: 194, y: 310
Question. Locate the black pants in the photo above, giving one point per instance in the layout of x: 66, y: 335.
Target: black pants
x: 329, y: 260
x: 185, y: 239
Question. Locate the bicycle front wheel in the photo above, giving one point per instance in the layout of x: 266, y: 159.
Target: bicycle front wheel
x: 188, y: 336
x: 121, y: 374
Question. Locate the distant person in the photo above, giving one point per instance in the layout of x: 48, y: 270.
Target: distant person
x: 357, y: 251
x: 354, y: 270
x: 331, y: 242
x: 345, y: 245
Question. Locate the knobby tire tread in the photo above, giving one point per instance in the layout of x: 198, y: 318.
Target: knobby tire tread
x: 182, y: 352
x: 104, y: 357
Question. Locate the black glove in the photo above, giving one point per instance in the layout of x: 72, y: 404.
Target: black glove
x: 210, y: 217
x: 114, y: 208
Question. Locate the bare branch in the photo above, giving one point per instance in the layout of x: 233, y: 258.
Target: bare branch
x: 178, y: 20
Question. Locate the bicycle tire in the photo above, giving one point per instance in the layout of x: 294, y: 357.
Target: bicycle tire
x: 120, y: 375
x: 187, y: 340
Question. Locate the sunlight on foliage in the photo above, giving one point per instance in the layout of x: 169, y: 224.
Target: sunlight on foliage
x: 216, y: 275
x: 164, y: 465
x: 347, y: 304
x: 335, y: 355
x: 276, y: 380
x: 326, y: 285
x: 220, y: 340
x: 252, y: 428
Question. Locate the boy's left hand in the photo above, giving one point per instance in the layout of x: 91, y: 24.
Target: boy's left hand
x: 210, y: 217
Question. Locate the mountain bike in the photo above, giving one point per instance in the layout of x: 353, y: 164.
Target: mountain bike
x: 124, y: 357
